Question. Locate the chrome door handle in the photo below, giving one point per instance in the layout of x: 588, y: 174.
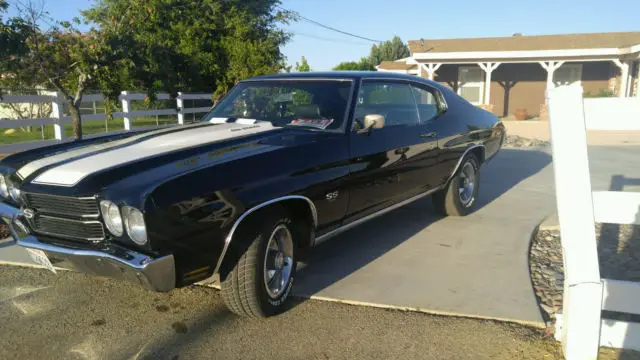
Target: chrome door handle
x: 429, y: 134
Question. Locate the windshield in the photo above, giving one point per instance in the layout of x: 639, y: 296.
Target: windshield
x: 311, y: 104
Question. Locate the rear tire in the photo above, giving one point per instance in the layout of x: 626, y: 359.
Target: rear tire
x: 459, y: 196
x: 252, y: 287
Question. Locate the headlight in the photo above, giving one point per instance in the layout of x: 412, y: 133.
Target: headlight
x: 4, y: 192
x: 134, y: 222
x: 111, y: 216
x: 14, y: 192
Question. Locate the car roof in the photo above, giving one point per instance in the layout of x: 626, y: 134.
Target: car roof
x: 337, y: 75
x: 351, y: 75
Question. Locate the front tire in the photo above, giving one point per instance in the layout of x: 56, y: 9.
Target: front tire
x: 260, y: 282
x: 459, y: 196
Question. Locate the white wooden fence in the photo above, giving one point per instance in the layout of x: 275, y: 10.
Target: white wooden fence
x: 58, y: 120
x: 581, y: 328
x: 612, y: 113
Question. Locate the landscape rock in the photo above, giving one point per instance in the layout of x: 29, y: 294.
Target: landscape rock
x: 515, y: 141
x: 618, y: 256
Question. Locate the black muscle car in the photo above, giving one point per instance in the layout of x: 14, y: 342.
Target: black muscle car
x: 281, y: 164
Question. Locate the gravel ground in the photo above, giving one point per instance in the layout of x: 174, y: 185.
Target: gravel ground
x: 547, y: 273
x: 4, y: 230
x: 73, y: 316
x: 515, y: 141
x: 618, y: 255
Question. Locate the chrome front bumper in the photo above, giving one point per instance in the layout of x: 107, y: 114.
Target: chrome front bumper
x: 114, y: 261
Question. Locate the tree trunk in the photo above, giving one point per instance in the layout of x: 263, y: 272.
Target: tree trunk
x: 77, y: 121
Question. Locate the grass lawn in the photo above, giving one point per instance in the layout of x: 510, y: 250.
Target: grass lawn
x: 88, y: 127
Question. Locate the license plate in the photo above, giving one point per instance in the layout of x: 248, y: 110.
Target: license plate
x: 40, y: 258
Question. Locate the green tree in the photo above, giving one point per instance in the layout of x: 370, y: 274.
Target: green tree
x: 185, y: 45
x: 62, y: 57
x: 362, y: 65
x: 389, y: 50
x: 303, y: 65
x: 13, y: 44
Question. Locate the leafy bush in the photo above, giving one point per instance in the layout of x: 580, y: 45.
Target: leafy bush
x: 600, y: 93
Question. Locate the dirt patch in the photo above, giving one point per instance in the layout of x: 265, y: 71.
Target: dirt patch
x: 206, y: 329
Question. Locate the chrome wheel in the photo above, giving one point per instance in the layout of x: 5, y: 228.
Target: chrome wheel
x: 467, y: 183
x: 278, y: 261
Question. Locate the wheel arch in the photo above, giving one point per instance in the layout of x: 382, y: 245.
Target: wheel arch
x: 300, y: 207
x: 477, y: 150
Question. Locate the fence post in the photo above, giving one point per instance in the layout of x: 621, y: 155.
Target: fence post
x: 126, y: 103
x: 582, y: 285
x: 180, y: 108
x: 57, y: 113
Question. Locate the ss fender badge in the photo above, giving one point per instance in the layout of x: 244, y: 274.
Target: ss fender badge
x: 332, y: 195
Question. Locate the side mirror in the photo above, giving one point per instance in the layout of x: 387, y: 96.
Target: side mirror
x: 372, y: 121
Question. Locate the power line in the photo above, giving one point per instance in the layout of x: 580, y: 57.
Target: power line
x: 297, y: 14
x: 330, y: 39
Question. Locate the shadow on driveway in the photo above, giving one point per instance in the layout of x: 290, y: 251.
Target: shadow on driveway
x: 348, y: 252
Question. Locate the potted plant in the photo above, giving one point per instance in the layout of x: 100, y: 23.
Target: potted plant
x: 521, y: 114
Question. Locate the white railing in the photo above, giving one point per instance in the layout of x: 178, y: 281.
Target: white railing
x: 581, y: 328
x: 58, y: 120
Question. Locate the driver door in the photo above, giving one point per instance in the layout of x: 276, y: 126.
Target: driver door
x: 380, y: 156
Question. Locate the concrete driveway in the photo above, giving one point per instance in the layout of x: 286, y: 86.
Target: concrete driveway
x: 473, y: 266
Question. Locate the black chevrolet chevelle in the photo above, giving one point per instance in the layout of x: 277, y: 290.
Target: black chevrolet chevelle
x: 281, y: 164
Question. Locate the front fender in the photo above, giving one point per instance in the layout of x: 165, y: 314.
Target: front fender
x: 195, y: 216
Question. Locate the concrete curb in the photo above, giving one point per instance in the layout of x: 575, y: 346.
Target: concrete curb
x: 537, y: 325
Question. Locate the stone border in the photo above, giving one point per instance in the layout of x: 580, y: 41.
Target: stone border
x: 618, y: 257
x: 546, y: 269
x: 515, y: 141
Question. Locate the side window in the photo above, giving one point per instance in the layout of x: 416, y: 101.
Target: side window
x: 392, y: 100
x: 429, y: 103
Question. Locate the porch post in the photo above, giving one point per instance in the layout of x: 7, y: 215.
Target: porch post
x: 488, y: 69
x: 624, y: 77
x: 430, y: 68
x: 638, y: 80
x: 551, y: 67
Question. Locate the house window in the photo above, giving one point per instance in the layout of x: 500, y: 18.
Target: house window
x: 567, y: 74
x: 471, y: 83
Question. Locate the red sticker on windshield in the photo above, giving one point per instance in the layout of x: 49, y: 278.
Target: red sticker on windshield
x: 316, y: 123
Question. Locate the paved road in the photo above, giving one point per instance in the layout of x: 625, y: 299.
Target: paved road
x: 73, y: 316
x: 473, y: 266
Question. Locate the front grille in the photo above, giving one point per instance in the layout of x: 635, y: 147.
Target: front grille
x: 84, y: 207
x: 73, y: 218
x: 68, y: 228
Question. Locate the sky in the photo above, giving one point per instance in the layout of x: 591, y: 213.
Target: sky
x: 415, y: 19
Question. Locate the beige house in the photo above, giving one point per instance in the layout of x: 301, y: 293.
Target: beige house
x: 510, y: 74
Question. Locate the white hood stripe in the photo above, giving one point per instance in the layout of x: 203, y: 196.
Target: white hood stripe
x: 73, y: 172
x: 30, y: 168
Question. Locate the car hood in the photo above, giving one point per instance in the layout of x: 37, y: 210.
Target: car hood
x: 175, y: 150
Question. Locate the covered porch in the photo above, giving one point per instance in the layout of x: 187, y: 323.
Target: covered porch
x: 514, y: 82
